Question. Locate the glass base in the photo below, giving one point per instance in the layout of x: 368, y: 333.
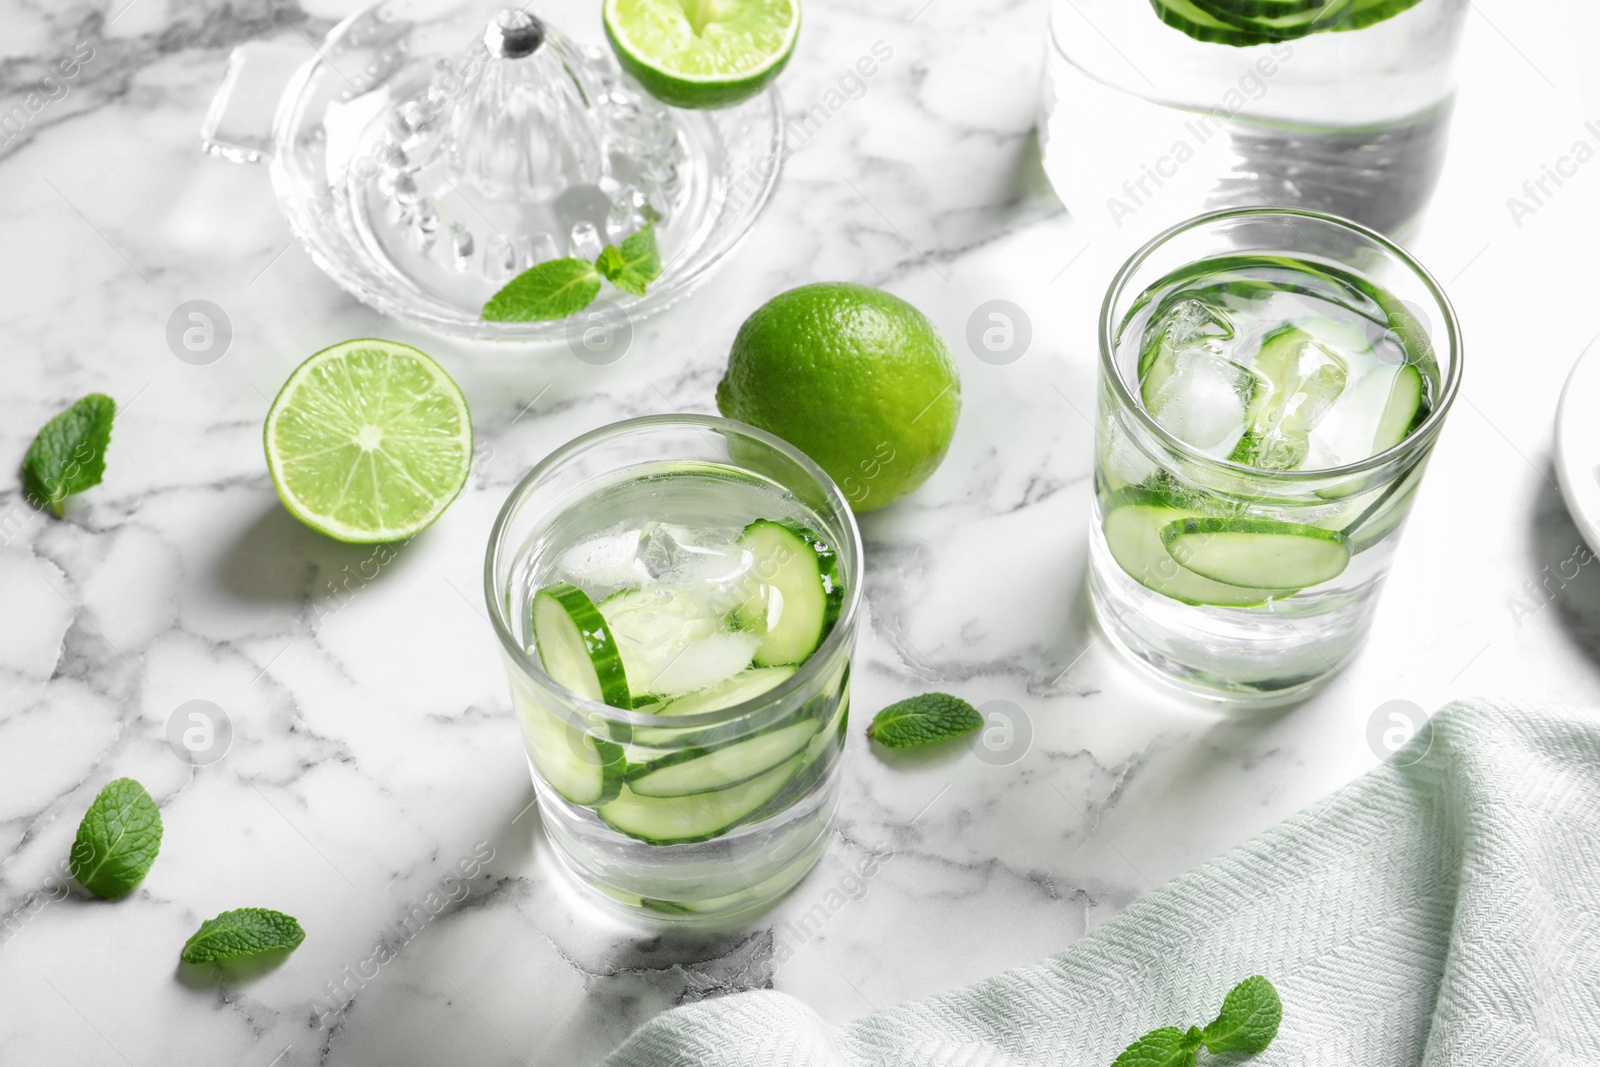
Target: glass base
x: 1224, y: 656
x: 729, y: 877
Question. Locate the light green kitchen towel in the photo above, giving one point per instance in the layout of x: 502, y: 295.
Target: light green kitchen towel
x: 1442, y: 910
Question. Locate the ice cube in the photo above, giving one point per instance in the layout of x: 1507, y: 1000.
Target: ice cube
x: 1191, y: 322
x: 604, y: 561
x: 683, y: 556
x: 1203, y: 401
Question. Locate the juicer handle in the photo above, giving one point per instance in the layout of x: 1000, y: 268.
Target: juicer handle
x: 238, y: 125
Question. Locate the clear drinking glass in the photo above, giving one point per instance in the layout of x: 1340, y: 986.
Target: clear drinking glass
x: 1142, y: 122
x: 753, y: 793
x: 1258, y: 644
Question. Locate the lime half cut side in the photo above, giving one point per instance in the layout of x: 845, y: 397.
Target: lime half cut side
x: 369, y: 441
x: 703, y: 53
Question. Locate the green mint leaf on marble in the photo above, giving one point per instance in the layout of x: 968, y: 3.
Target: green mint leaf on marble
x: 545, y: 292
x: 1166, y: 1047
x: 117, y: 840
x: 69, y: 454
x: 921, y: 720
x: 242, y: 932
x: 635, y: 265
x: 1249, y: 1019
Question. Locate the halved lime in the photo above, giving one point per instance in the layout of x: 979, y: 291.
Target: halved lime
x: 369, y: 441
x: 703, y: 53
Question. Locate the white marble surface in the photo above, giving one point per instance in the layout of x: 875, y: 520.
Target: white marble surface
x: 373, y: 747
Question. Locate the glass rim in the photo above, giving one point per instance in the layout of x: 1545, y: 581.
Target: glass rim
x: 804, y: 674
x: 1422, y: 435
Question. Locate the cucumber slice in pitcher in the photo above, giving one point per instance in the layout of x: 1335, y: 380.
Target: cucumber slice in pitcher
x: 796, y: 593
x: 700, y: 817
x: 1203, y: 26
x: 1133, y: 524
x: 1285, y: 26
x: 576, y: 647
x: 1257, y: 553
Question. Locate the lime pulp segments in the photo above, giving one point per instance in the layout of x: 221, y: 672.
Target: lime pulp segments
x: 703, y: 53
x: 369, y: 441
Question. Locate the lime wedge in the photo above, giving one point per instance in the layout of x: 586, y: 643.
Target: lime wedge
x: 703, y: 53
x: 369, y: 441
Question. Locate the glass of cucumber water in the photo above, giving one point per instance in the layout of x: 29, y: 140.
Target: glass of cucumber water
x: 1271, y: 384
x: 676, y: 600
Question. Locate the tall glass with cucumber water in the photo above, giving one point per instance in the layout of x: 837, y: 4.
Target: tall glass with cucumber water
x: 675, y: 597
x: 1271, y: 385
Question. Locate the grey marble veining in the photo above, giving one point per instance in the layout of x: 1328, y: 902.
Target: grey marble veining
x: 375, y: 784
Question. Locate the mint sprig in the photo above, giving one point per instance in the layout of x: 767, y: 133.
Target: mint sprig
x: 1249, y: 1019
x: 922, y: 720
x: 242, y: 932
x: 1251, y: 1013
x: 1166, y: 1047
x: 69, y: 453
x: 117, y: 840
x: 559, y: 288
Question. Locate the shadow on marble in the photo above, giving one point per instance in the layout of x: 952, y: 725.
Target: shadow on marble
x: 1558, y: 575
x: 279, y: 560
x: 229, y: 974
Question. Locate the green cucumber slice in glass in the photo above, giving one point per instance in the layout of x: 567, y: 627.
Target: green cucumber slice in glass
x: 1255, y: 554
x: 700, y: 817
x: 576, y: 647
x: 692, y: 771
x: 580, y: 766
x: 1133, y: 524
x: 796, y: 593
x: 1305, y: 375
x: 675, y: 641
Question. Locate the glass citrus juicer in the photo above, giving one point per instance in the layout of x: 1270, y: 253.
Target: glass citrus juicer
x: 431, y: 150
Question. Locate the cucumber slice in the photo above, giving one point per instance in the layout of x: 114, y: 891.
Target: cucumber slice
x: 576, y: 647
x: 1268, y: 7
x: 675, y: 641
x: 1257, y: 553
x: 701, y: 817
x: 1403, y: 412
x: 583, y: 768
x: 796, y: 596
x: 1304, y: 376
x: 1133, y: 524
x: 1284, y: 26
x: 693, y: 771
x: 1370, y: 12
x: 747, y: 685
x: 1203, y: 26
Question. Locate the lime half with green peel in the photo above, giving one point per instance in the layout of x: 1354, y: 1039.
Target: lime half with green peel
x: 703, y: 53
x: 369, y: 441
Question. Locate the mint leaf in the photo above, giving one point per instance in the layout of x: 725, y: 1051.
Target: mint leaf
x: 545, y: 292
x: 921, y: 720
x: 1166, y: 1047
x: 635, y: 265
x: 69, y: 454
x: 1249, y: 1020
x: 242, y: 932
x: 117, y: 840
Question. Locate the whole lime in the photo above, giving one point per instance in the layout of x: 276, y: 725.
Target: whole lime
x: 855, y: 378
